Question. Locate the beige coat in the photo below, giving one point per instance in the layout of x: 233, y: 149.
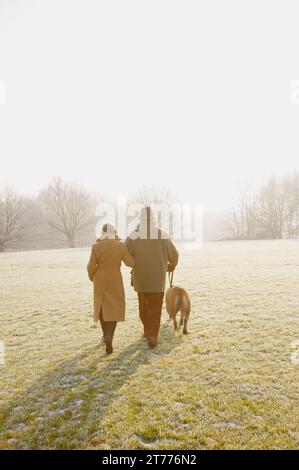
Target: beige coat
x: 104, y: 270
x: 153, y: 258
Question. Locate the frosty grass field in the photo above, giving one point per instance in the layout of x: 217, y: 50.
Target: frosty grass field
x: 229, y: 384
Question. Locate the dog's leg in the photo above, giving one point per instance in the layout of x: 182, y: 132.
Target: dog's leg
x: 175, y: 323
x: 181, y: 319
x: 186, y: 317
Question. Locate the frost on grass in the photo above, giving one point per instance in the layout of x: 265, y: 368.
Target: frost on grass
x: 231, y: 383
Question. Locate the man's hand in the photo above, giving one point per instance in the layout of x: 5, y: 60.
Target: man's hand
x: 170, y: 268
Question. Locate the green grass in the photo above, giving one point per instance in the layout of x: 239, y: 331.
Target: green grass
x: 229, y: 384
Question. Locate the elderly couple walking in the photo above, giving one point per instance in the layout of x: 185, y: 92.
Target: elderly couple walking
x: 151, y: 254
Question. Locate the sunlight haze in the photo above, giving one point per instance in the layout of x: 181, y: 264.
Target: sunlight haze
x: 193, y: 96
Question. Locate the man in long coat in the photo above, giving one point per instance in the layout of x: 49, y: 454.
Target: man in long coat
x: 154, y: 255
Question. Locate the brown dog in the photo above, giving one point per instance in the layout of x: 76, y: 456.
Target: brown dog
x: 177, y: 300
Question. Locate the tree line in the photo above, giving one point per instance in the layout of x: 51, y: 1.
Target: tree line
x: 64, y: 214
x: 272, y: 212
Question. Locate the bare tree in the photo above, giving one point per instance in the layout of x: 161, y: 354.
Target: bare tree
x: 271, y: 209
x: 250, y: 210
x: 272, y: 213
x: 13, y: 220
x: 153, y: 195
x: 235, y: 222
x: 242, y: 218
x: 161, y: 200
x: 70, y: 209
x: 291, y: 191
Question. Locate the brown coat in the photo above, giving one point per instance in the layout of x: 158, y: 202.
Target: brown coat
x: 153, y: 258
x: 104, y: 270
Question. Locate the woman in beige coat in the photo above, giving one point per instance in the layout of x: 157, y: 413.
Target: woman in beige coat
x: 103, y: 269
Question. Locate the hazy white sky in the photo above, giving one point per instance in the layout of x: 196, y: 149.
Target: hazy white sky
x: 191, y: 95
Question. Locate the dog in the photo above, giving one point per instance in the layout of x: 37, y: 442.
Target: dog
x: 178, y: 300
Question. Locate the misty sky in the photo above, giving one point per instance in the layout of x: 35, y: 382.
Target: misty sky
x: 191, y: 95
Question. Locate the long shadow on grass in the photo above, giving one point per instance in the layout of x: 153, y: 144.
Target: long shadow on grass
x: 65, y: 407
